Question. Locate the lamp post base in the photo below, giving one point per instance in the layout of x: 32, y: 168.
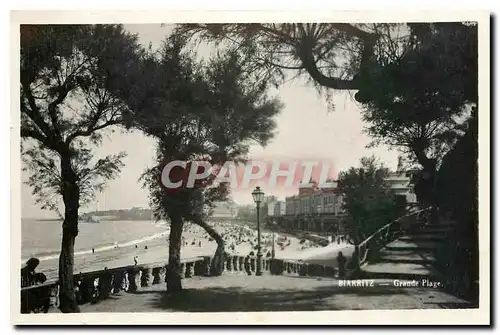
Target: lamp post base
x: 258, y: 270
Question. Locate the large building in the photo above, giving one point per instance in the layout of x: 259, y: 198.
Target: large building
x: 315, y: 200
x: 279, y: 208
x: 321, y: 209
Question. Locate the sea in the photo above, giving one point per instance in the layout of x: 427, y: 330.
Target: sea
x: 41, y: 238
x: 118, y: 243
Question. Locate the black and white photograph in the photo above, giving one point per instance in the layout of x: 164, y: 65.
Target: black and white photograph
x: 196, y: 166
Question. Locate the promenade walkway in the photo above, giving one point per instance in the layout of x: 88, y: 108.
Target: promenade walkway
x: 238, y: 292
x: 412, y: 255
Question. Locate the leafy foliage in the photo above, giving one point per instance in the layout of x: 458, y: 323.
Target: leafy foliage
x: 68, y: 78
x: 416, y: 98
x: 211, y: 111
x: 332, y: 54
x: 47, y: 183
x: 368, y: 199
x: 70, y: 75
x: 197, y: 111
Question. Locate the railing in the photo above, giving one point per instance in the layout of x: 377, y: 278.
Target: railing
x: 369, y: 248
x: 99, y: 285
x: 248, y: 265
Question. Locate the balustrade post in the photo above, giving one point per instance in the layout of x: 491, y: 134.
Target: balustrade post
x: 252, y: 264
x: 54, y: 296
x: 207, y: 262
x: 104, y: 285
x: 357, y: 257
x: 189, y: 270
x: 199, y: 269
x: 276, y: 266
x: 248, y: 266
x: 241, y: 263
x: 156, y: 276
x: 146, y: 277
x: 87, y: 289
x: 132, y: 279
x: 126, y: 281
x: 303, y: 270
x: 229, y: 264
x: 183, y: 270
x: 224, y: 265
x: 309, y: 268
x: 118, y: 278
x: 235, y: 263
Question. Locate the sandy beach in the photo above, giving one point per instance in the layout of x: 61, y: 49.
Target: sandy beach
x: 239, y: 240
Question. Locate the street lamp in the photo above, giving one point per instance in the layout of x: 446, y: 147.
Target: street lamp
x: 258, y: 197
x: 273, y: 252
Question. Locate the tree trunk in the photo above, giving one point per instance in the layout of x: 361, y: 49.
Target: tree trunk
x: 427, y: 190
x: 71, y: 197
x: 174, y: 284
x: 217, y: 266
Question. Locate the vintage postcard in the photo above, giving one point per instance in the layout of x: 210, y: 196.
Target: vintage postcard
x: 174, y: 167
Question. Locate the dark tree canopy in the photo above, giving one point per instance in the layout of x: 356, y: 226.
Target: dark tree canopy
x: 210, y: 111
x: 332, y: 54
x: 417, y: 99
x: 70, y: 76
x: 195, y: 110
x: 368, y: 198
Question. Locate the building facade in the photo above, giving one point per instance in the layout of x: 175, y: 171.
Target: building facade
x: 321, y: 209
x: 400, y: 183
x: 314, y: 200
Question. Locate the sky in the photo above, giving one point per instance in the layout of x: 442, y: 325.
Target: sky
x: 306, y: 128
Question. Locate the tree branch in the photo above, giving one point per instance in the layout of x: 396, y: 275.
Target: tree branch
x: 33, y: 112
x: 309, y: 63
x: 91, y: 129
x: 33, y: 133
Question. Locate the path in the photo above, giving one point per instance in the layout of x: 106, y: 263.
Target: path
x: 411, y: 255
x: 236, y: 292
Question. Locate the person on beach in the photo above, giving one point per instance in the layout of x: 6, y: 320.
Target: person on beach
x: 93, y: 250
x: 135, y: 260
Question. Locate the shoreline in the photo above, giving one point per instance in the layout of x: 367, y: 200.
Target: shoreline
x: 45, y: 256
x: 196, y: 243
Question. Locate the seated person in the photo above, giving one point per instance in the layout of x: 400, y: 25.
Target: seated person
x: 36, y: 299
x: 28, y: 277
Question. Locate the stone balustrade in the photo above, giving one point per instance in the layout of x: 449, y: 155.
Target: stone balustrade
x: 98, y: 285
x: 248, y: 265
